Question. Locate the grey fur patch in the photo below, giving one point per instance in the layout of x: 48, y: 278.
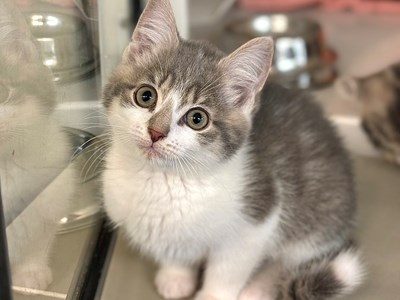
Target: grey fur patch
x: 320, y: 285
x: 161, y: 120
x: 294, y: 147
x: 192, y: 66
x: 314, y: 280
x: 231, y: 136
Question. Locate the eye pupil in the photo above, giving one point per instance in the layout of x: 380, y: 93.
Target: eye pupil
x: 197, y: 118
x: 146, y: 96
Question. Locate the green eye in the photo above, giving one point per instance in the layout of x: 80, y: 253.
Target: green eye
x: 197, y: 118
x: 145, y: 96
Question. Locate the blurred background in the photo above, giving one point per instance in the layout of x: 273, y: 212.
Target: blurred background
x: 346, y: 53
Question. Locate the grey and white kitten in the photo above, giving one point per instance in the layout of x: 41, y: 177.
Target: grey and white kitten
x: 379, y: 95
x: 34, y: 152
x: 209, y: 170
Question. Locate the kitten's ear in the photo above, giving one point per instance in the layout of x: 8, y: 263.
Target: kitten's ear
x: 155, y: 30
x: 247, y: 69
x: 18, y: 47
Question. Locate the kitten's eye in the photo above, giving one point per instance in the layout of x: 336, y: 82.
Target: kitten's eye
x: 197, y: 118
x: 145, y: 96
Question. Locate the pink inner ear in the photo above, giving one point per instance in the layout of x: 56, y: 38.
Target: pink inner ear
x: 242, y: 95
x: 255, y: 63
x: 247, y: 69
x: 141, y: 45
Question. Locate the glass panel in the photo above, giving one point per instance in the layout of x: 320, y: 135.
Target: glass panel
x: 49, y: 169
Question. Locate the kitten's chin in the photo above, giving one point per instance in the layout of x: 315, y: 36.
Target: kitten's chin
x: 160, y: 162
x: 164, y: 160
x: 154, y: 157
x: 152, y: 153
x: 158, y: 159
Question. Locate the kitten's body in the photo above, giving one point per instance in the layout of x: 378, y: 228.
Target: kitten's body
x: 36, y: 186
x: 265, y: 178
x: 266, y: 185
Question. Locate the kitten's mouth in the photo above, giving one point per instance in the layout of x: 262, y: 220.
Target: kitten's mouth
x: 151, y: 152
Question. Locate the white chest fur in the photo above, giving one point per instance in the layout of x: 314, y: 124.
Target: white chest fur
x: 170, y: 216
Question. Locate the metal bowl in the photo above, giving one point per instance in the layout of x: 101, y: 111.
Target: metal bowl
x: 87, y: 161
x: 299, y: 47
x: 64, y: 42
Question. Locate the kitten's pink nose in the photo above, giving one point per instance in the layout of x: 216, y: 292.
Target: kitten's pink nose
x: 155, y: 135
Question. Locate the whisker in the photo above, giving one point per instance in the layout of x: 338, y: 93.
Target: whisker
x: 101, y: 151
x: 91, y: 156
x: 97, y: 139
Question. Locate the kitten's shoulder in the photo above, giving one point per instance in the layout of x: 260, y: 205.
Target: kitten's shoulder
x: 291, y: 117
x: 277, y: 99
x: 288, y: 108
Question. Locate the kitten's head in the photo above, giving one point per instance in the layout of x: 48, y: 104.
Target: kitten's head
x: 26, y: 91
x: 183, y: 103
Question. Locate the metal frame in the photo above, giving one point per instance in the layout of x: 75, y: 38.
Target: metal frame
x: 5, y: 279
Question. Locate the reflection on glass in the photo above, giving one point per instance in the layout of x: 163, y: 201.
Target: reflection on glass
x: 64, y: 42
x: 34, y: 153
x: 48, y: 204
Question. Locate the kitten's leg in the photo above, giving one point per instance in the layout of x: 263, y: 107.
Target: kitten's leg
x: 228, y: 269
x: 262, y: 286
x: 175, y: 281
x: 31, y: 234
x: 29, y: 240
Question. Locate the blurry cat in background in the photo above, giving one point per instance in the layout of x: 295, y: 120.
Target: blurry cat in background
x: 210, y: 169
x: 379, y: 96
x: 34, y: 152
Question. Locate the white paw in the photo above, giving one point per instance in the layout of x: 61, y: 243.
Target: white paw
x: 205, y: 296
x: 217, y: 294
x: 254, y: 293
x: 176, y: 283
x: 33, y: 276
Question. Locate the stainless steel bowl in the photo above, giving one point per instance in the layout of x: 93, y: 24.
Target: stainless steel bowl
x: 299, y: 47
x: 64, y: 42
x: 87, y: 161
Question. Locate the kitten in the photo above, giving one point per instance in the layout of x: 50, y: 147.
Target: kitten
x: 209, y: 170
x: 380, y: 97
x: 34, y: 152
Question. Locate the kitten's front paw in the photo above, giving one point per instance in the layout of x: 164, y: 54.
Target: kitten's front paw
x: 176, y: 283
x: 33, y: 276
x: 205, y: 296
x: 254, y: 293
